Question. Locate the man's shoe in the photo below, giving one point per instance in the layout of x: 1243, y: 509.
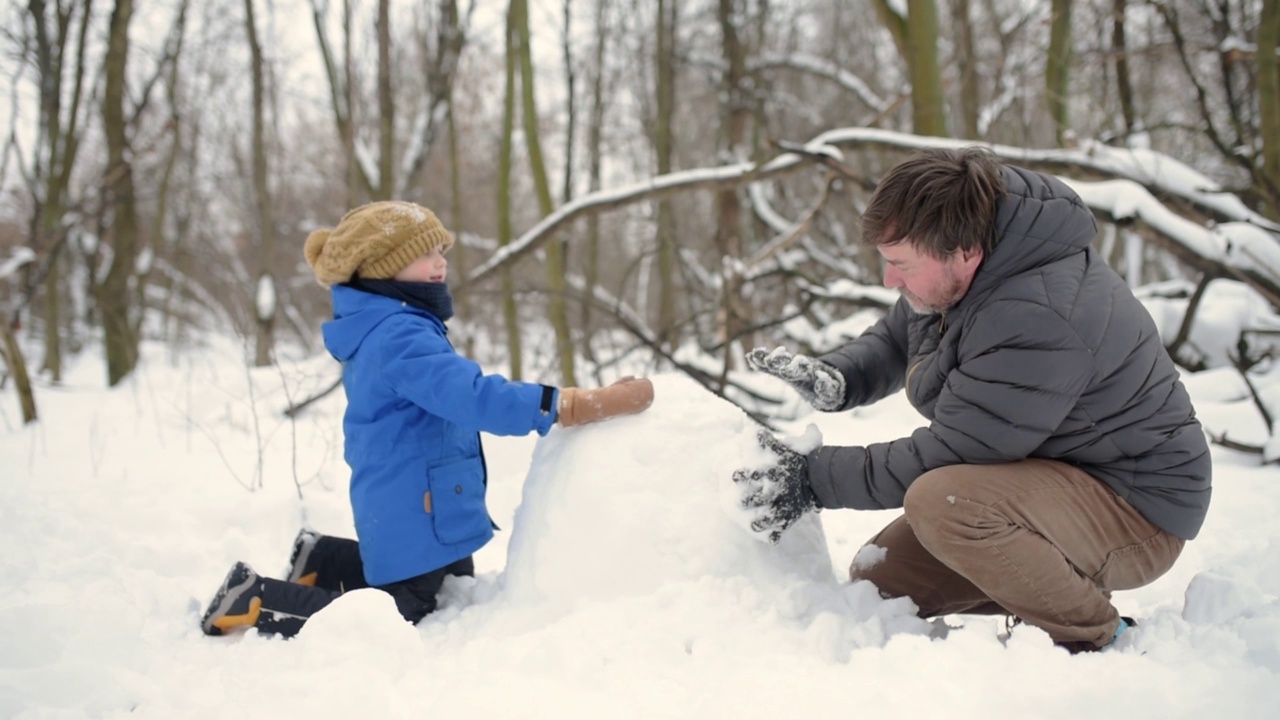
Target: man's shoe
x: 298, y: 571
x: 1076, y: 647
x: 237, y: 603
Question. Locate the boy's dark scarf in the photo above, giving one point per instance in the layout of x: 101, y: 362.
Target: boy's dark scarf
x: 432, y: 297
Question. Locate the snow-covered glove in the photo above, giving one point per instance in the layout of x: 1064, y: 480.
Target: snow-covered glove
x: 778, y: 494
x: 627, y: 396
x: 821, y: 385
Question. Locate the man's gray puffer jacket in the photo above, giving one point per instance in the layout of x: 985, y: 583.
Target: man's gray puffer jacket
x: 1049, y: 355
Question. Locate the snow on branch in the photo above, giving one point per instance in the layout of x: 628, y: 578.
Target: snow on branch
x: 1241, y: 244
x: 703, y: 178
x: 22, y: 257
x: 1157, y: 172
x: 1236, y: 249
x: 826, y: 69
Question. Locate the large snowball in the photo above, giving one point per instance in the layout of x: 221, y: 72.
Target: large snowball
x: 624, y: 507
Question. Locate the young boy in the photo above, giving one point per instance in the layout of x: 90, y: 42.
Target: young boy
x: 415, y: 410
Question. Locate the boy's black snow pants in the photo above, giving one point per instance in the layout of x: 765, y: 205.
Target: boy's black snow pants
x: 286, y: 606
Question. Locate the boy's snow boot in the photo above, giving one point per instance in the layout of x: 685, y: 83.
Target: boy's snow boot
x: 237, y: 604
x: 326, y: 562
x: 299, y: 570
x: 246, y: 599
x: 286, y: 606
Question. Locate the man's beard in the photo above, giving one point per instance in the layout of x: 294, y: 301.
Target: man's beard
x: 948, y: 295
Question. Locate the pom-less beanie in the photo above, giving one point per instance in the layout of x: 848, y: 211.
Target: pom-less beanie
x: 375, y: 241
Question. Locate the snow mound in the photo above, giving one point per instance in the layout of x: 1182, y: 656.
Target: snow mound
x: 625, y: 507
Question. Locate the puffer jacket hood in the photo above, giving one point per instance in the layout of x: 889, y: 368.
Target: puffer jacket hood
x: 1048, y: 355
x: 356, y: 314
x: 1041, y: 221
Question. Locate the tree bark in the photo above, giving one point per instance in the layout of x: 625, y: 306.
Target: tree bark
x: 113, y: 293
x: 1120, y: 50
x: 967, y: 58
x: 663, y: 141
x: 386, y: 107
x: 595, y: 133
x: 557, y: 289
x: 1269, y: 102
x: 12, y: 354
x: 342, y: 96
x: 1057, y: 71
x: 57, y: 49
x: 928, y: 108
x: 461, y: 262
x: 735, y: 116
x: 265, y: 317
x: 509, y: 310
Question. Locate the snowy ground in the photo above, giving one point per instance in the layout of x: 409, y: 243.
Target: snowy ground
x: 622, y: 586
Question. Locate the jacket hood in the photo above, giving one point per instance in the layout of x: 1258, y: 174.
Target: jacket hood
x: 1040, y: 220
x: 356, y: 314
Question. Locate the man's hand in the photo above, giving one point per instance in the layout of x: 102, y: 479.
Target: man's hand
x: 778, y: 494
x: 627, y: 396
x: 821, y: 385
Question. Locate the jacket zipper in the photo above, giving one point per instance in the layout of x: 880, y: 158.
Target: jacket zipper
x: 942, y: 328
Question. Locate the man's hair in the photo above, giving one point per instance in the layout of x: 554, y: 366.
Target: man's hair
x: 938, y: 200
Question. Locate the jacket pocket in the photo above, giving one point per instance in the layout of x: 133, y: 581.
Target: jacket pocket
x: 458, y: 511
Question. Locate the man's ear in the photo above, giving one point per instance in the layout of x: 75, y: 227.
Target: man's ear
x: 970, y: 259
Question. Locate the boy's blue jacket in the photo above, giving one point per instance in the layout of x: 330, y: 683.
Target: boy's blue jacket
x: 415, y: 409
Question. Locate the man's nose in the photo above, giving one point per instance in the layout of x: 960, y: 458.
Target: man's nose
x: 892, y: 278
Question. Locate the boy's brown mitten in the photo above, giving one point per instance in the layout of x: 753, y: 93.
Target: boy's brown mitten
x: 627, y: 396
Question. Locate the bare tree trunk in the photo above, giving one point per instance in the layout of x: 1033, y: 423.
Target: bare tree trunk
x: 916, y: 37
x: 663, y: 142
x: 439, y: 68
x: 113, y: 293
x: 1120, y: 50
x: 557, y: 288
x: 342, y: 95
x: 386, y: 107
x: 461, y: 262
x: 1269, y: 102
x: 1241, y: 141
x: 12, y: 354
x: 509, y: 310
x: 966, y: 56
x: 265, y: 294
x: 1057, y: 71
x: 928, y: 108
x: 735, y: 115
x: 595, y: 131
x: 358, y: 180
x: 895, y: 23
x: 57, y: 146
x: 159, y: 238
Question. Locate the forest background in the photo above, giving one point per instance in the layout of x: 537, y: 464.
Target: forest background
x: 672, y: 181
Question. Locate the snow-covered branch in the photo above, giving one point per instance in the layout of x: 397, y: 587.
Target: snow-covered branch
x: 703, y: 178
x: 1157, y: 172
x: 1241, y: 244
x: 823, y: 68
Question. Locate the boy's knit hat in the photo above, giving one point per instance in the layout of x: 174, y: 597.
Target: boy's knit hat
x: 376, y: 240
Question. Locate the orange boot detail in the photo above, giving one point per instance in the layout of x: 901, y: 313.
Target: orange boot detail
x: 248, y: 619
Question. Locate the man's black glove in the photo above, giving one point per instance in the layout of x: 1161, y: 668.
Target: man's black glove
x: 778, y: 494
x: 821, y: 385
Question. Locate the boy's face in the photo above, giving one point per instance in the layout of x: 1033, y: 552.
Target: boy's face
x: 930, y: 285
x: 431, y: 267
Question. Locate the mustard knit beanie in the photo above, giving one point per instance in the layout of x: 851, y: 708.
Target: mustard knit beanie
x: 376, y: 241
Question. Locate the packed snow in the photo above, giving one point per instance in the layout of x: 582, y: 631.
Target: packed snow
x: 625, y: 584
